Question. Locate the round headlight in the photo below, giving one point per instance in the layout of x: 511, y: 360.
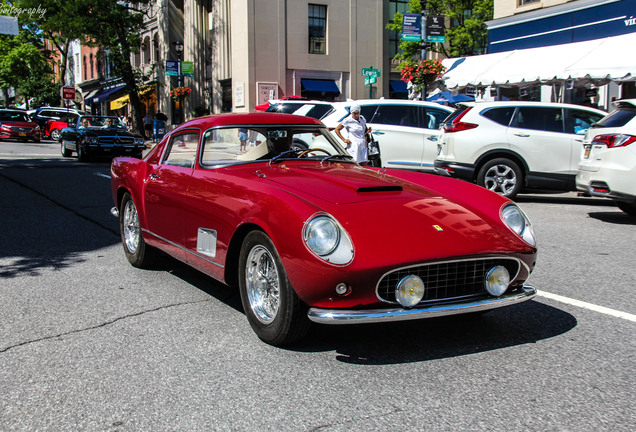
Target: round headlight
x: 497, y: 280
x: 517, y: 221
x: 409, y: 291
x: 322, y: 235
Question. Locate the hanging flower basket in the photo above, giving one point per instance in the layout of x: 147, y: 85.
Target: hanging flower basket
x: 424, y: 72
x: 180, y: 93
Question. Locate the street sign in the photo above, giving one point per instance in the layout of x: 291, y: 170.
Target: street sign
x: 412, y: 27
x: 187, y: 68
x: 67, y: 93
x: 435, y: 28
x: 368, y: 80
x: 367, y: 72
x: 172, y: 68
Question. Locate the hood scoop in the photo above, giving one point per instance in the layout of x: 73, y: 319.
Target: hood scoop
x: 386, y: 188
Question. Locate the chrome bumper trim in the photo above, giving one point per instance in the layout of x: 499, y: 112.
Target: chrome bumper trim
x: 114, y: 212
x: 337, y: 316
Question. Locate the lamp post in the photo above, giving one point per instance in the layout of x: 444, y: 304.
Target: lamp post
x: 178, y: 45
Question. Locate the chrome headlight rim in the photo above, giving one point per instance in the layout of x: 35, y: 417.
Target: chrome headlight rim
x: 516, y: 220
x: 340, y: 250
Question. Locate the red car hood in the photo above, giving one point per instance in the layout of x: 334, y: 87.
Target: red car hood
x: 19, y: 124
x: 341, y: 186
x: 384, y: 214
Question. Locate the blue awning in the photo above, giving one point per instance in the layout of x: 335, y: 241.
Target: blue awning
x: 103, y: 95
x: 314, y: 85
x: 398, y: 86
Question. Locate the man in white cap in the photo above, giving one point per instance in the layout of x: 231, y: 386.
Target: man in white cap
x: 356, y: 127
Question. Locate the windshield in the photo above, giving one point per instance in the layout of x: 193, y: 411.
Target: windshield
x: 14, y: 116
x: 101, y: 122
x: 276, y: 143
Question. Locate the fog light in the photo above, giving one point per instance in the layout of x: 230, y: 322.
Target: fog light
x: 497, y: 280
x: 409, y: 291
x: 342, y: 289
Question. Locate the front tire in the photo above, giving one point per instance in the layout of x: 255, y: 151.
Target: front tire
x: 55, y: 135
x: 65, y: 152
x: 138, y: 253
x: 501, y: 175
x: 274, y: 311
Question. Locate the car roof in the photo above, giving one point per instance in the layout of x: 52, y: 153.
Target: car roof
x: 250, y: 119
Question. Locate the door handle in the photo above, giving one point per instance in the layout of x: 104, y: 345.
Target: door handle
x: 377, y: 133
x: 521, y: 135
x: 153, y: 176
x: 432, y: 138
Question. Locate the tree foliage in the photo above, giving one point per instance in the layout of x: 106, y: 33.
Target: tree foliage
x: 112, y: 25
x: 466, y: 35
x: 24, y: 64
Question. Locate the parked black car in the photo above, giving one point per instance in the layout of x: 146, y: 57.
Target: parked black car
x: 100, y: 136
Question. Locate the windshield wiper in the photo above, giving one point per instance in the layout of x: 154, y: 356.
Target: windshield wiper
x: 335, y: 156
x: 278, y: 157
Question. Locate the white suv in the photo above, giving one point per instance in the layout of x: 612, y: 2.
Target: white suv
x: 608, y: 160
x: 406, y: 130
x: 511, y: 146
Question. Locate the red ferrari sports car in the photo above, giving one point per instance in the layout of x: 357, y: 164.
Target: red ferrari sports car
x: 272, y: 204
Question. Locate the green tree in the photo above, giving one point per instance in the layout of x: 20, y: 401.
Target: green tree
x: 112, y: 25
x: 466, y: 35
x: 24, y: 65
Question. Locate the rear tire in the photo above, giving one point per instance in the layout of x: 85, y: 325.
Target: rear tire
x: 138, y: 253
x: 501, y: 175
x: 55, y: 135
x: 274, y: 311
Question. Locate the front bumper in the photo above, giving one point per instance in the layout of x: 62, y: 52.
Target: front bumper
x: 453, y: 169
x: 336, y: 316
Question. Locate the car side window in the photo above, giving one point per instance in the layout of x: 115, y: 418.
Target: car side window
x: 580, y: 121
x: 397, y: 115
x: 539, y: 118
x: 433, y: 118
x: 501, y: 115
x: 368, y: 111
x: 182, y: 150
x: 231, y: 145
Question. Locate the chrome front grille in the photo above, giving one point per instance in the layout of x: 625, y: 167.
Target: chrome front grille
x: 21, y: 129
x: 116, y: 140
x: 447, y: 280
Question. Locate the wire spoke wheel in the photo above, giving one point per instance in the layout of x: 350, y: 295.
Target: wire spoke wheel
x: 131, y: 227
x: 271, y: 305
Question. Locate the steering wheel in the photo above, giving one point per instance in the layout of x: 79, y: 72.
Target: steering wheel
x: 313, y: 150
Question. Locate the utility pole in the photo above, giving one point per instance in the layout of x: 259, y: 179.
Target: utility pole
x: 423, y: 55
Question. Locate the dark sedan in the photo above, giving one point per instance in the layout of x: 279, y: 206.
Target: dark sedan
x: 93, y: 136
x: 16, y: 124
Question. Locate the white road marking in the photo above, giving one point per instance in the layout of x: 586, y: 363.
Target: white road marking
x: 98, y: 174
x: 590, y: 306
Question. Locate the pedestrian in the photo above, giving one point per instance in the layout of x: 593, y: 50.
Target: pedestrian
x: 356, y: 127
x: 148, y: 125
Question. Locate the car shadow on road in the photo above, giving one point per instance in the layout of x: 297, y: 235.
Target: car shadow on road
x: 564, y: 198
x: 618, y: 217
x: 409, y: 341
x: 436, y: 338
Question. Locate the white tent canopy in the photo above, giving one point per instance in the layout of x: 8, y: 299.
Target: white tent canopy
x: 599, y: 60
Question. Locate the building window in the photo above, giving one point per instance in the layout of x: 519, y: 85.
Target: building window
x: 395, y: 6
x: 317, y: 29
x: 525, y: 2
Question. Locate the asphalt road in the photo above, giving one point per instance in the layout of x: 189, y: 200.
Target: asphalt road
x: 89, y: 343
